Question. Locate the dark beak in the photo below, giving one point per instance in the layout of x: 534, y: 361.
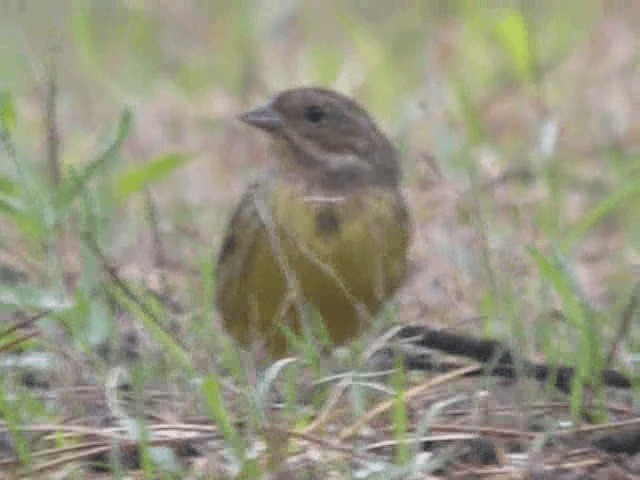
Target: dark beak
x: 264, y: 116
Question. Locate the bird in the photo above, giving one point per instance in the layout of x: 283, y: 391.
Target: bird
x: 326, y: 229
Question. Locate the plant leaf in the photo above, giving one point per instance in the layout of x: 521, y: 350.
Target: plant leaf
x: 72, y: 186
x: 588, y: 358
x: 219, y: 412
x: 137, y: 178
x: 400, y: 418
x: 7, y: 111
x: 554, y: 271
x: 10, y: 201
x: 600, y: 212
x: 513, y: 33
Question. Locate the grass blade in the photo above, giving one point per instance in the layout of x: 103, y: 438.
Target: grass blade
x: 601, y: 211
x: 71, y: 187
x: 137, y: 178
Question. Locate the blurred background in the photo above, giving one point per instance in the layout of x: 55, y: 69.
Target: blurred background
x: 121, y: 158
x: 518, y: 126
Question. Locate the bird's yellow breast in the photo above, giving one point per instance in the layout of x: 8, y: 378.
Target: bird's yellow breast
x: 344, y: 254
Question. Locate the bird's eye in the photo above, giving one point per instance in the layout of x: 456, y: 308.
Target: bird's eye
x: 314, y: 113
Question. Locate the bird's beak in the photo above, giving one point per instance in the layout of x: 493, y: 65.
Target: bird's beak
x: 264, y: 116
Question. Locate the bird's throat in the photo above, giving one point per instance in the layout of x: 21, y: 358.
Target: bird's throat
x: 319, y: 172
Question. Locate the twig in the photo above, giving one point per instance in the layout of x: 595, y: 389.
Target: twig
x: 497, y: 355
x: 410, y: 394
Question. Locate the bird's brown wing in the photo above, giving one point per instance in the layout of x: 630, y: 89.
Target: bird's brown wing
x: 243, y: 233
